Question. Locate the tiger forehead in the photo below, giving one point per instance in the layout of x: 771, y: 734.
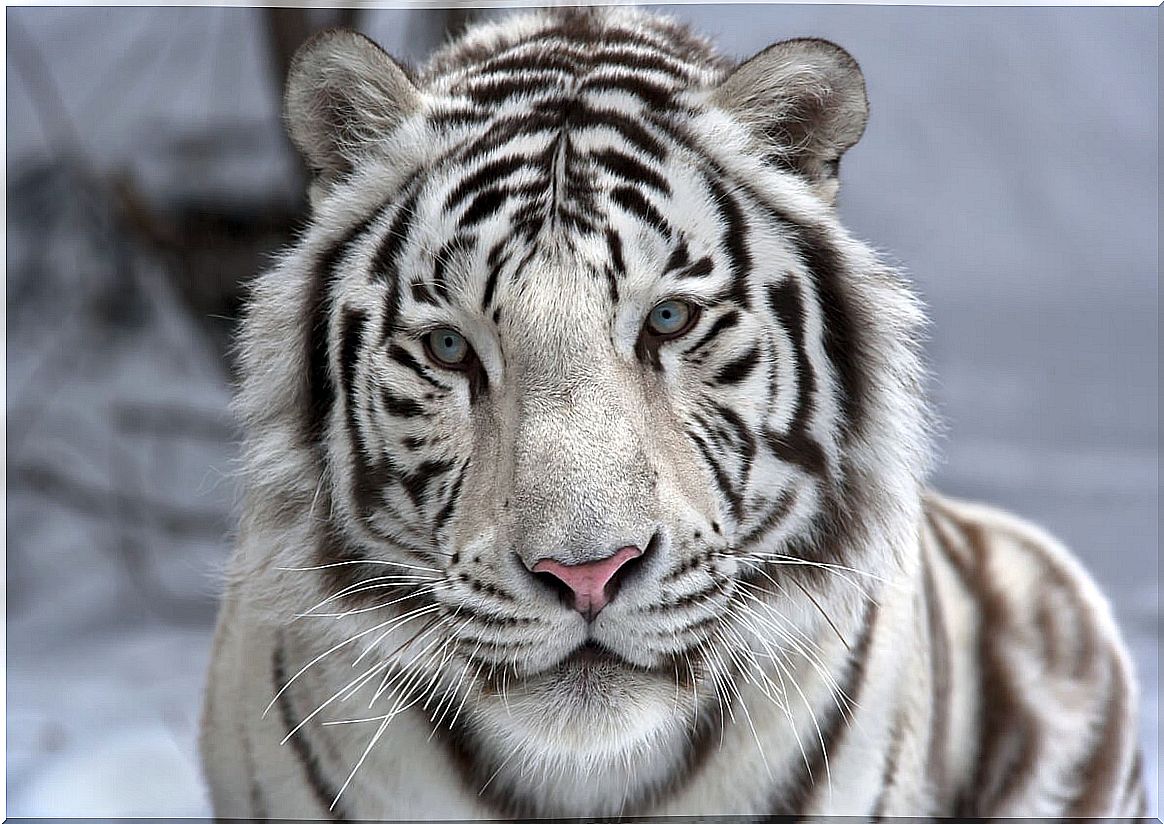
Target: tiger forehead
x: 550, y: 285
x: 550, y: 126
x: 576, y: 43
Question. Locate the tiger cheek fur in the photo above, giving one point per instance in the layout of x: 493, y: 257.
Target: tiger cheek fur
x: 586, y: 456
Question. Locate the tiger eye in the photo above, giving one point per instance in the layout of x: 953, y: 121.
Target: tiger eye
x: 671, y: 318
x: 447, y: 347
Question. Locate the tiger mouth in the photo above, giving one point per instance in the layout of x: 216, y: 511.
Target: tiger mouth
x: 592, y: 655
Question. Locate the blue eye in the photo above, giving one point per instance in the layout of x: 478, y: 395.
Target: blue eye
x: 447, y: 347
x: 671, y: 318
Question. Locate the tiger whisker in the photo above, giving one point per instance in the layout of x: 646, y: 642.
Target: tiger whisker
x: 694, y: 693
x: 815, y: 603
x: 775, y: 621
x: 739, y: 696
x: 460, y: 680
x: 832, y: 567
x: 815, y: 724
x: 461, y: 706
x: 448, y: 650
x: 350, y: 688
x: 311, y: 613
x: 767, y: 686
x: 497, y: 772
x: 811, y: 656
x: 375, y: 738
x: 320, y: 657
x: 836, y: 692
x: 782, y: 705
x: 788, y: 716
x: 315, y: 497
x: 373, y: 561
x: 753, y: 592
x: 397, y: 622
x: 395, y: 655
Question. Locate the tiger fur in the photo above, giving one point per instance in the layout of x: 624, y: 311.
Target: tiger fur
x: 803, y: 628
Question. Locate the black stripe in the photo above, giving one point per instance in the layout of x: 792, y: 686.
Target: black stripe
x: 733, y: 239
x: 317, y: 309
x: 422, y: 294
x: 351, y: 336
x: 629, y: 129
x: 889, y: 770
x: 772, y: 519
x: 643, y: 60
x: 500, y: 88
x: 505, y: 130
x: 403, y: 357
x: 484, y: 205
x: 614, y: 245
x: 843, y: 342
x: 487, y: 174
x: 455, y: 245
x: 321, y: 788
x: 612, y: 284
x: 631, y: 170
x: 796, y: 446
x: 632, y: 200
x: 798, y: 449
x: 1135, y: 796
x: 497, y: 259
x: 1005, y: 749
x: 699, y: 269
x: 743, y: 434
x: 652, y: 94
x: 679, y: 257
x: 735, y: 501
x: 738, y: 370
x: 385, y: 266
x: 512, y: 60
x: 725, y: 321
x: 416, y: 483
x: 458, y: 117
x: 400, y: 407
x: 259, y: 808
x: 787, y: 303
x: 940, y: 676
x: 451, y: 500
x: 1101, y: 781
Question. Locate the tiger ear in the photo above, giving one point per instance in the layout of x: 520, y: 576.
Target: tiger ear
x: 805, y: 99
x: 343, y: 94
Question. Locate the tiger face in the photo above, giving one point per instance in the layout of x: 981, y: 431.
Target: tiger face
x: 586, y: 363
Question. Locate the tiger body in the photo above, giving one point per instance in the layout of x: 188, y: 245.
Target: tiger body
x: 449, y: 384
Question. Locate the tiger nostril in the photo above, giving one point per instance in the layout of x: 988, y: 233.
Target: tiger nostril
x: 588, y: 587
x: 557, y: 585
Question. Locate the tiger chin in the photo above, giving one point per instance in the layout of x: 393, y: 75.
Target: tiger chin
x: 586, y: 458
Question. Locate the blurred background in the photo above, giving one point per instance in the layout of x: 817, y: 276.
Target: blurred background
x: 1010, y: 167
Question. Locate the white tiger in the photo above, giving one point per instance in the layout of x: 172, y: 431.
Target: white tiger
x: 586, y: 455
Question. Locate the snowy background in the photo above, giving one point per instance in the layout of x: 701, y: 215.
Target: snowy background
x: 1010, y: 166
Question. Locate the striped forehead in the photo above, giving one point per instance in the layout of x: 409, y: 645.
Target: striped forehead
x: 544, y: 160
x: 582, y: 202
x: 542, y: 125
x: 557, y: 156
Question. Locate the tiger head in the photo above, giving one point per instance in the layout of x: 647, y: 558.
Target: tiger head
x: 575, y: 382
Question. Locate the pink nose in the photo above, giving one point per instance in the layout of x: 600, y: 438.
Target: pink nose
x: 589, y: 581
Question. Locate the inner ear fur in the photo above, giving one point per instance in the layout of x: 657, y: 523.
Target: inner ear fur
x: 343, y: 94
x: 805, y: 100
